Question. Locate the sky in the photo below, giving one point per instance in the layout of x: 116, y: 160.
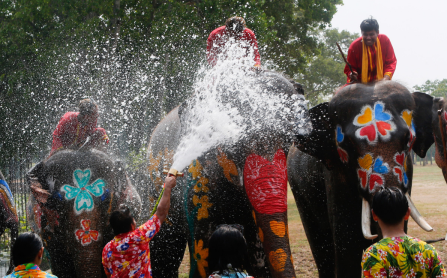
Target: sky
x: 417, y: 30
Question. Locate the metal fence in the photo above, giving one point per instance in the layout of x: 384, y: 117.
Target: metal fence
x: 15, y: 174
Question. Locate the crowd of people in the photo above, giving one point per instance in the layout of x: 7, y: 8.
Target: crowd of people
x: 371, y: 58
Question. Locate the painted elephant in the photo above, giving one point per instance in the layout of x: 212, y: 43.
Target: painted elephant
x: 361, y: 140
x: 73, y: 194
x: 243, y: 183
x: 8, y: 213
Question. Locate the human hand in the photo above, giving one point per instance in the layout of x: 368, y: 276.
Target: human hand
x: 170, y: 182
x: 386, y: 77
x: 353, y: 76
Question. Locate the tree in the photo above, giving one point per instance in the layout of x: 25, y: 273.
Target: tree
x: 435, y: 88
x: 138, y: 59
x: 324, y: 72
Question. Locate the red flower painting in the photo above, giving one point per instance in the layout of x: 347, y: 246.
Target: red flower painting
x: 86, y: 235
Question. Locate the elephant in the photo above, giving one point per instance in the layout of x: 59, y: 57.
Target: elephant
x: 244, y: 182
x: 73, y: 195
x: 360, y: 140
x: 438, y: 128
x: 8, y: 214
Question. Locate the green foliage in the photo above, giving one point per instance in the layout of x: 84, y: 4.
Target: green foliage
x: 437, y: 88
x: 138, y: 59
x: 324, y: 73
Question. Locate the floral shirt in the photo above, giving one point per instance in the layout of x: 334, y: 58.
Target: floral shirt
x: 127, y: 255
x: 402, y: 257
x: 29, y: 271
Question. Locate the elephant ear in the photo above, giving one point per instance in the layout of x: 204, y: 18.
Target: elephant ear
x: 37, y: 181
x: 422, y: 119
x: 320, y: 142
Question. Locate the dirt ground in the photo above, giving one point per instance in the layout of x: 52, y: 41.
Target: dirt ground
x: 428, y: 195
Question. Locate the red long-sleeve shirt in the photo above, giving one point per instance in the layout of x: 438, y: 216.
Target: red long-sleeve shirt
x: 355, y: 54
x: 70, y: 131
x: 219, y: 37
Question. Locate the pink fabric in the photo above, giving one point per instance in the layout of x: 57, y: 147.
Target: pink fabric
x: 266, y: 183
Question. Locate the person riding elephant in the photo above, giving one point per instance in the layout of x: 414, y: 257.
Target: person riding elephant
x: 76, y: 129
x: 361, y: 140
x: 8, y: 214
x: 73, y: 194
x: 241, y: 181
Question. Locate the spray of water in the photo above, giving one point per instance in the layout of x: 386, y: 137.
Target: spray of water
x: 231, y: 102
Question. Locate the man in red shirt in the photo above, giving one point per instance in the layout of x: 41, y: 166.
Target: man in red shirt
x: 74, y: 128
x: 128, y: 255
x: 371, y: 56
x: 234, y: 28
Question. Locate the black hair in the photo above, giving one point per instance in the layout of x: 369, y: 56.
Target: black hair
x: 235, y: 24
x: 87, y: 107
x: 227, y: 245
x: 26, y: 248
x: 121, y: 220
x: 390, y: 205
x: 369, y: 24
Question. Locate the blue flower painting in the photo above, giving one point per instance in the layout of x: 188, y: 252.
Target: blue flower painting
x: 82, y: 190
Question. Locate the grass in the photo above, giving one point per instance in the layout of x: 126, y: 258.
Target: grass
x: 428, y: 195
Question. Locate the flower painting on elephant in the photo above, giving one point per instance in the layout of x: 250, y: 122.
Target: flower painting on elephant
x: 374, y: 123
x: 86, y: 235
x: 371, y: 171
x: 83, y: 190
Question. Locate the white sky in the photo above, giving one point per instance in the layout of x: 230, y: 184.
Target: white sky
x: 417, y: 30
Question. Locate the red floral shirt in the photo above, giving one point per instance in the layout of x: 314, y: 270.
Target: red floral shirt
x: 127, y: 255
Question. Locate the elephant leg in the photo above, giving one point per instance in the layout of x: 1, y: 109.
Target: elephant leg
x: 266, y: 187
x: 169, y: 245
x: 307, y: 184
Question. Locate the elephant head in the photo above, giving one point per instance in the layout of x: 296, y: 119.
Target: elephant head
x: 364, y: 136
x: 74, y: 193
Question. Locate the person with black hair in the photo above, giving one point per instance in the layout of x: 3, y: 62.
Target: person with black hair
x: 74, y: 128
x: 397, y: 254
x: 371, y: 56
x: 128, y: 255
x: 228, y: 256
x: 236, y: 29
x: 27, y: 253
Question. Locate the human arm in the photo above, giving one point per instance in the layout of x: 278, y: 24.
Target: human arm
x: 355, y: 59
x: 60, y: 133
x: 254, y: 44
x: 210, y: 52
x: 389, y: 58
x: 165, y: 202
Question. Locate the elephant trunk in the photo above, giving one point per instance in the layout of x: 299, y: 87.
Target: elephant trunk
x: 366, y: 220
x: 86, y: 246
x: 417, y: 217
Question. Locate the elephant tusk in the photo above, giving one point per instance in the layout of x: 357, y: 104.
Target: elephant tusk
x: 417, y: 217
x: 366, y: 220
